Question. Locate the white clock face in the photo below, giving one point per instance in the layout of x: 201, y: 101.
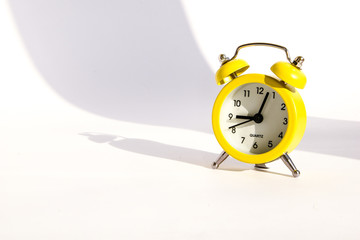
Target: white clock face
x: 253, y: 118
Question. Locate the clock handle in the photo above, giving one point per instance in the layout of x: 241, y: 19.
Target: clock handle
x: 297, y: 62
x: 260, y: 44
x: 223, y: 155
x: 287, y: 160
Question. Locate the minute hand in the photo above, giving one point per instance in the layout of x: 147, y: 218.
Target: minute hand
x: 240, y: 123
x: 263, y: 103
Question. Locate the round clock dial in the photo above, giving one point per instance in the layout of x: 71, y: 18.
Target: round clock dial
x: 253, y: 118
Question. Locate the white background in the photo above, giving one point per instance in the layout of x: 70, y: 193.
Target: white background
x: 105, y: 125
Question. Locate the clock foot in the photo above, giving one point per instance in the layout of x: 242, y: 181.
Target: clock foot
x: 287, y: 160
x: 220, y: 160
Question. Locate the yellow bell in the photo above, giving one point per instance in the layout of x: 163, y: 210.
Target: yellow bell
x: 289, y: 74
x: 230, y: 70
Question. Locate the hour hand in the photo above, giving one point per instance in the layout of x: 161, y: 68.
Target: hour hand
x: 244, y: 117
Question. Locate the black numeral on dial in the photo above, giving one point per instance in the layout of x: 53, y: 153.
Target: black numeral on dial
x: 259, y: 90
x: 281, y: 135
x: 283, y: 107
x: 237, y: 103
x: 285, y: 122
x: 246, y: 93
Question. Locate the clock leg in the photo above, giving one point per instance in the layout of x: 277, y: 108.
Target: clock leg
x: 220, y: 159
x: 287, y: 160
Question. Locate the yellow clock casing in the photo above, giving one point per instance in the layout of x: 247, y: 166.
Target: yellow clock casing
x: 290, y: 76
x: 296, y: 112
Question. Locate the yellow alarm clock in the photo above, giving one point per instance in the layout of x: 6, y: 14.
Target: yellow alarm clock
x: 258, y: 118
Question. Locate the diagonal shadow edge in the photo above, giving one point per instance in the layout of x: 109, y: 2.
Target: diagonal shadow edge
x: 135, y: 63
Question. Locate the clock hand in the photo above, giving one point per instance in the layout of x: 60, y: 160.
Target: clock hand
x: 240, y: 123
x: 263, y: 103
x: 244, y: 117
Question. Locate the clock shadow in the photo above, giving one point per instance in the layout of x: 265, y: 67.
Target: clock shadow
x: 191, y: 156
x: 166, y: 151
x: 170, y: 152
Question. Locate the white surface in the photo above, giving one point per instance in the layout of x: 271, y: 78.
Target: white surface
x: 79, y: 161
